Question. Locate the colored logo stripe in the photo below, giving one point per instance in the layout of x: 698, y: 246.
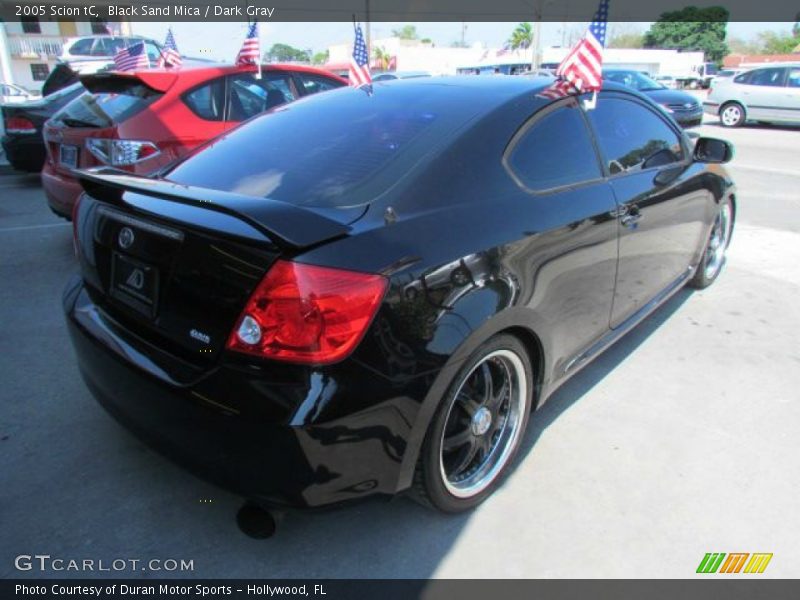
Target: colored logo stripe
x: 712, y: 562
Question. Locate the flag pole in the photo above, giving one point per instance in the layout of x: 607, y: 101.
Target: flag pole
x: 258, y: 58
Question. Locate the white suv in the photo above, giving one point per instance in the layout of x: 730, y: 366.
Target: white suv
x: 770, y: 94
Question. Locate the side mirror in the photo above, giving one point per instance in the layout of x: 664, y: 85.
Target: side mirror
x: 712, y: 150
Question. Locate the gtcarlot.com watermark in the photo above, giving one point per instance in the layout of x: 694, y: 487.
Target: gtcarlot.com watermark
x: 44, y: 563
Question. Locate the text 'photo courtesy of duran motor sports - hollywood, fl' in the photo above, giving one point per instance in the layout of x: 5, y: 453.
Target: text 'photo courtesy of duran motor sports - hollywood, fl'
x: 378, y: 298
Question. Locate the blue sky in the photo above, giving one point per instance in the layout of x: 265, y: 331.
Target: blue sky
x: 221, y: 41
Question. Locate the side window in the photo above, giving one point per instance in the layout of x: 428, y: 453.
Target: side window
x: 153, y: 53
x: 553, y: 151
x: 794, y: 78
x: 315, y: 83
x: 208, y: 100
x: 633, y: 137
x: 767, y: 77
x: 82, y: 47
x: 248, y: 96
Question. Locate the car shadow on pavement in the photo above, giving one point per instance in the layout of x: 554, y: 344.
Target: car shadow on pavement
x: 582, y: 383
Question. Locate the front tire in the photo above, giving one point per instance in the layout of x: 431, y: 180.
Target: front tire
x: 477, y: 430
x: 719, y: 239
x: 732, y: 115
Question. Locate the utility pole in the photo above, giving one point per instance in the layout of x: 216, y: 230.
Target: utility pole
x: 463, y: 33
x: 369, y: 35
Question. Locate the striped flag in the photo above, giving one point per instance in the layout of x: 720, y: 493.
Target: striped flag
x: 583, y: 65
x: 170, y: 57
x: 250, y: 53
x: 359, y: 62
x: 132, y: 58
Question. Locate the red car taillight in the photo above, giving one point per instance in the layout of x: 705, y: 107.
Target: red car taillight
x: 307, y: 314
x: 121, y: 153
x: 19, y: 125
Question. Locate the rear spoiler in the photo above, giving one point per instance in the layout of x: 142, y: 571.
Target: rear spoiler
x: 156, y: 80
x: 285, y: 224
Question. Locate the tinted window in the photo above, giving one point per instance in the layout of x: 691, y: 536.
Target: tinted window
x: 108, y: 103
x: 82, y: 47
x: 314, y: 83
x: 248, y: 96
x: 633, y: 137
x: 341, y: 148
x: 633, y: 79
x: 555, y: 150
x: 794, y: 78
x: 208, y: 100
x: 767, y: 77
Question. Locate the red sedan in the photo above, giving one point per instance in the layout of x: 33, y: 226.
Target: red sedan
x: 141, y: 121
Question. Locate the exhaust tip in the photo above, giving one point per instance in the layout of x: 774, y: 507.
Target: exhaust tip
x: 256, y: 522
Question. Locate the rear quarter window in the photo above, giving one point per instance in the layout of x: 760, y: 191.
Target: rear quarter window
x: 553, y: 151
x: 208, y: 100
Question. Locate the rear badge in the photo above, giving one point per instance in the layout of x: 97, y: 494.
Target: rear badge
x: 125, y: 238
x: 200, y: 336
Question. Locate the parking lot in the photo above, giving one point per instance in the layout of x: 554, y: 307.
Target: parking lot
x: 680, y: 440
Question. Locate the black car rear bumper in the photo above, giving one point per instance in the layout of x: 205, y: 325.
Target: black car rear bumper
x: 25, y: 152
x: 262, y: 455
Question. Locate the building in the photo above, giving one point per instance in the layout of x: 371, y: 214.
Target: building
x: 29, y: 48
x: 740, y: 61
x: 409, y: 55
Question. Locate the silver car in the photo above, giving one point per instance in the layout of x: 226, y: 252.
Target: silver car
x: 770, y: 94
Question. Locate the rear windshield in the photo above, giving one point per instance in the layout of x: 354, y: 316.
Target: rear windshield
x: 337, y: 149
x: 112, y: 104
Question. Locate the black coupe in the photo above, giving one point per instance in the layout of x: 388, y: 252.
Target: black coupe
x: 367, y: 293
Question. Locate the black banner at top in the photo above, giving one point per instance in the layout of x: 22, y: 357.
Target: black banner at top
x: 384, y: 10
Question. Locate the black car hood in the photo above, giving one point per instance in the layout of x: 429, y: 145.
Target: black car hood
x: 671, y: 96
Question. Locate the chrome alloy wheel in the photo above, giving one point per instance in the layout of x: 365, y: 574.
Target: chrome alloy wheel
x: 718, y: 241
x: 484, y: 424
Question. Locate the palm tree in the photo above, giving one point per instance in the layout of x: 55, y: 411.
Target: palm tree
x: 521, y: 37
x: 383, y: 56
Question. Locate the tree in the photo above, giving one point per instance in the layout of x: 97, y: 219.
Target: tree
x: 521, y: 37
x: 285, y: 53
x: 771, y: 42
x: 320, y: 58
x: 627, y: 40
x: 406, y: 32
x: 740, y: 46
x: 382, y: 56
x: 692, y: 28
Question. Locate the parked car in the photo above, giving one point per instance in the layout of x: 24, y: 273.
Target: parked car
x: 253, y: 312
x: 14, y: 94
x: 682, y: 106
x: 23, y: 143
x: 84, y: 53
x: 768, y: 94
x: 668, y: 81
x: 390, y: 75
x: 141, y: 121
x: 725, y: 74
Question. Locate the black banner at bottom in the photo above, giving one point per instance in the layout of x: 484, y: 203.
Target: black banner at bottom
x: 391, y: 589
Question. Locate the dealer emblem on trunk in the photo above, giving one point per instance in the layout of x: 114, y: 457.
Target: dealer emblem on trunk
x: 125, y: 237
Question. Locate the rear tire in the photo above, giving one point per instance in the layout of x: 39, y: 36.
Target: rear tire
x: 719, y: 239
x: 732, y: 114
x: 477, y: 429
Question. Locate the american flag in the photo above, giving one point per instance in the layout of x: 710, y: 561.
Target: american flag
x: 250, y: 53
x: 169, y: 54
x: 583, y: 65
x: 560, y: 89
x: 359, y: 63
x: 132, y: 58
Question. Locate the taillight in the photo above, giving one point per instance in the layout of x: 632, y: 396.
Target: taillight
x: 120, y: 153
x: 307, y: 314
x: 19, y: 125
